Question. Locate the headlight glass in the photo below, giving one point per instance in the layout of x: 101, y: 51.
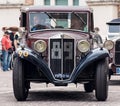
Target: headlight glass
x: 40, y: 46
x: 108, y: 44
x: 83, y: 46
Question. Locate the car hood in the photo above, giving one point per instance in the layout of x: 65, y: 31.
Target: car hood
x: 58, y: 34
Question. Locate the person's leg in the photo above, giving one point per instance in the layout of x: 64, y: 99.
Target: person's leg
x: 5, y: 56
x: 1, y: 60
x: 9, y: 60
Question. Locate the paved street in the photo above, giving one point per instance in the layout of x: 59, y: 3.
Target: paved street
x: 56, y: 96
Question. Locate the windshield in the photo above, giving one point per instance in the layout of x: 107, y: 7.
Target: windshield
x: 114, y: 32
x: 114, y: 28
x: 47, y: 20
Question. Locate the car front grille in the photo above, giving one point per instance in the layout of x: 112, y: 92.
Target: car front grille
x: 61, y: 60
x: 117, y: 52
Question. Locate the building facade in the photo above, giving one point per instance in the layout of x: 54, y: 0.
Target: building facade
x: 10, y: 12
x: 60, y: 2
x: 104, y: 11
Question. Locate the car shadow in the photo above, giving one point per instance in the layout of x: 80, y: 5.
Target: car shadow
x: 60, y: 96
x: 114, y: 82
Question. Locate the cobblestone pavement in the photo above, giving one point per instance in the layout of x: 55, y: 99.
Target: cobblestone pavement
x: 40, y: 95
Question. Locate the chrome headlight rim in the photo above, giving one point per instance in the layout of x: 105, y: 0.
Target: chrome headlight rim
x: 109, y: 44
x: 40, y: 46
x: 83, y: 46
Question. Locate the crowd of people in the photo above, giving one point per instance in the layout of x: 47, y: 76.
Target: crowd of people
x: 9, y: 43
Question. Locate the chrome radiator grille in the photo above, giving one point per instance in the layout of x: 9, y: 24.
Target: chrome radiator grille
x: 62, y: 58
x: 117, y: 52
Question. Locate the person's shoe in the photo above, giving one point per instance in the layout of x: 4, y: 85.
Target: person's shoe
x: 5, y: 70
x: 8, y: 69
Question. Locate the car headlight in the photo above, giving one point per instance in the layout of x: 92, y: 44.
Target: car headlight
x: 40, y: 46
x: 83, y: 46
x: 108, y: 44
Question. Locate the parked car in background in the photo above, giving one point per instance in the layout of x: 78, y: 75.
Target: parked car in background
x: 114, y: 38
x: 58, y: 47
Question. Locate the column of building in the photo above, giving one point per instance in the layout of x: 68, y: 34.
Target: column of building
x: 119, y: 11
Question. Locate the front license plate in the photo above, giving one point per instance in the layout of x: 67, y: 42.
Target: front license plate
x: 117, y: 70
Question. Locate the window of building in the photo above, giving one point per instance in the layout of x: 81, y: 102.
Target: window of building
x: 61, y: 2
x: 46, y: 2
x: 75, y: 2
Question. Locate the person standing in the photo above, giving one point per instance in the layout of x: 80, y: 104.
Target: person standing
x: 16, y: 40
x: 38, y: 23
x: 97, y: 37
x: 6, y: 46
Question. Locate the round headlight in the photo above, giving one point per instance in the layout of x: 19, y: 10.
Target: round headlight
x: 108, y: 44
x: 83, y: 46
x: 40, y: 46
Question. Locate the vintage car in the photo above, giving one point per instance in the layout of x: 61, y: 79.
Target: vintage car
x: 57, y: 47
x: 114, y: 38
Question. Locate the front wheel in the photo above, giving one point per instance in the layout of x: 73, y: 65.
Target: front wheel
x: 101, y: 89
x: 20, y: 85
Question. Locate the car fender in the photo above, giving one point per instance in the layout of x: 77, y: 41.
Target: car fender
x: 94, y: 55
x: 35, y: 59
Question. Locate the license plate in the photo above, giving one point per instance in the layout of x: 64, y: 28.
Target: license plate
x: 117, y: 70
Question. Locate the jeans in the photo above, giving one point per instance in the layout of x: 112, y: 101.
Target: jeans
x: 6, y: 60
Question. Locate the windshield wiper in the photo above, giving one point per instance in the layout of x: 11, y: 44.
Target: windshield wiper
x: 51, y: 16
x: 80, y: 18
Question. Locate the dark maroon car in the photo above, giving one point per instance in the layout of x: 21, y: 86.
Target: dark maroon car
x: 58, y: 47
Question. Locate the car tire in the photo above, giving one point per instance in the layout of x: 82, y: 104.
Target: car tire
x: 88, y: 87
x: 101, y: 89
x: 110, y: 73
x: 19, y: 84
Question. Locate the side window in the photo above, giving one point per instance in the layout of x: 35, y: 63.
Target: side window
x: 23, y: 20
x: 114, y: 28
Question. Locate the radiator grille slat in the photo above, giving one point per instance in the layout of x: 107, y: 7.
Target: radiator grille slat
x: 117, y: 52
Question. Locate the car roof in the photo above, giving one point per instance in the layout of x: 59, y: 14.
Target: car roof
x: 56, y: 8
x: 114, y: 22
